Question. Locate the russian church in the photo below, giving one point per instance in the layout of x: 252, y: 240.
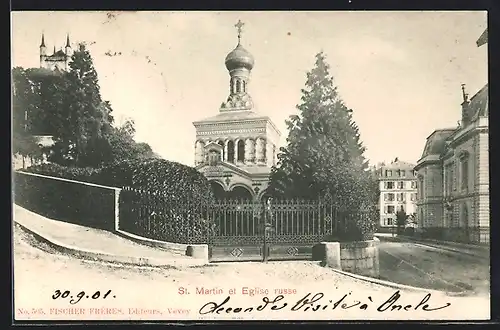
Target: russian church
x: 236, y: 148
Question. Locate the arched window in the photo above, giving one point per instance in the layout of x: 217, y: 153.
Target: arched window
x: 221, y: 143
x: 244, y: 86
x: 230, y: 151
x: 238, y: 86
x: 465, y: 216
x: 241, y: 151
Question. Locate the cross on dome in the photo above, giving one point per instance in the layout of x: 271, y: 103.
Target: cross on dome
x: 239, y: 27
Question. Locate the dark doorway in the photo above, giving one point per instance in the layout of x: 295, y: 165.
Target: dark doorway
x: 230, y: 151
x: 240, y: 193
x: 241, y: 151
x: 219, y: 192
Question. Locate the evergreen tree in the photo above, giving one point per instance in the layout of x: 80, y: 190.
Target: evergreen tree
x: 324, y: 154
x: 86, y: 119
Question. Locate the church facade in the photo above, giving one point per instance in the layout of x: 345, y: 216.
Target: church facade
x: 236, y: 148
x: 58, y: 60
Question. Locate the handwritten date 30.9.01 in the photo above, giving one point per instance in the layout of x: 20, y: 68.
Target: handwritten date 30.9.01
x: 75, y: 299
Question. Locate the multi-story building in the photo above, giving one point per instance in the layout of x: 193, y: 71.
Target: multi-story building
x: 398, y: 191
x: 453, y: 175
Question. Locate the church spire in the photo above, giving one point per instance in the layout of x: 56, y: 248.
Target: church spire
x: 42, y: 44
x: 465, y: 95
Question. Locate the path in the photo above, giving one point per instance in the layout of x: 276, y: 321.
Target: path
x: 433, y: 268
x: 96, y: 241
x: 153, y: 293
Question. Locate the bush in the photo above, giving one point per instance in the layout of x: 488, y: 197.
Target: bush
x: 358, y: 226
x: 85, y: 174
x: 174, y: 181
x: 162, y: 200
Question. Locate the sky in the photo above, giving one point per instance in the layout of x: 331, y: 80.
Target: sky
x: 400, y: 72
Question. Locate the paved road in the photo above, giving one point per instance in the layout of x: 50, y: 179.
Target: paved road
x: 432, y: 268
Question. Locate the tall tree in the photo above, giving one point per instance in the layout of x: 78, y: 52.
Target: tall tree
x: 24, y: 101
x: 87, y: 115
x: 324, y: 153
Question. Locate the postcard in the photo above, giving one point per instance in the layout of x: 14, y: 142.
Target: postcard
x: 175, y: 166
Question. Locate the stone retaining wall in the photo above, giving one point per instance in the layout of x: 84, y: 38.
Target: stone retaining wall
x: 360, y: 257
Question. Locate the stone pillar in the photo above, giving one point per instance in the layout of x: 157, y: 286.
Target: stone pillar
x: 248, y: 151
x: 269, y: 154
x: 224, y: 158
x: 260, y: 151
x: 199, y: 152
x: 236, y: 151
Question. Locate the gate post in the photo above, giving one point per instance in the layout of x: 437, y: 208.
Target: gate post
x: 267, y: 225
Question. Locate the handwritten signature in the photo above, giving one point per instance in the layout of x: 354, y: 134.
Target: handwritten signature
x: 316, y: 302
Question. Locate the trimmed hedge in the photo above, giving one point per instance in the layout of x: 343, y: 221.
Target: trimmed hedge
x: 85, y: 174
x: 174, y: 181
x: 161, y: 200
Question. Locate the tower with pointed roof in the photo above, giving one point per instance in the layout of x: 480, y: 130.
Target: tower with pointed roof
x: 59, y: 59
x: 236, y: 148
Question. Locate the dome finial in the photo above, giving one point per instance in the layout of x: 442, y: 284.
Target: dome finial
x: 239, y: 27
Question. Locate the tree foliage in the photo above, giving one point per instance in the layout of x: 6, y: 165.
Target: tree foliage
x: 324, y: 153
x: 69, y: 107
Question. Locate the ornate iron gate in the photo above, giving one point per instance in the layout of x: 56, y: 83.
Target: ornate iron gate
x: 285, y: 230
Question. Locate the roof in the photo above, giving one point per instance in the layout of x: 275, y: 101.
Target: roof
x: 59, y: 53
x: 479, y: 103
x: 232, y: 116
x: 436, y: 142
x: 398, y: 164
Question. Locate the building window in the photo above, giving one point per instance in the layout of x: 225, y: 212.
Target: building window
x: 413, y: 197
x: 389, y: 185
x: 448, y: 179
x: 390, y: 209
x: 465, y: 173
x: 241, y: 151
x: 414, y: 185
x: 221, y: 143
x: 401, y: 185
x: 403, y: 173
x: 389, y: 197
x: 421, y: 187
x: 465, y: 217
x: 400, y: 197
x: 230, y: 151
x: 388, y: 173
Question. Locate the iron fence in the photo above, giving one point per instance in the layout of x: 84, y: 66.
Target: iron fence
x: 152, y: 216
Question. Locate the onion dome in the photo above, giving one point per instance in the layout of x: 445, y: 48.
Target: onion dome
x: 239, y: 58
